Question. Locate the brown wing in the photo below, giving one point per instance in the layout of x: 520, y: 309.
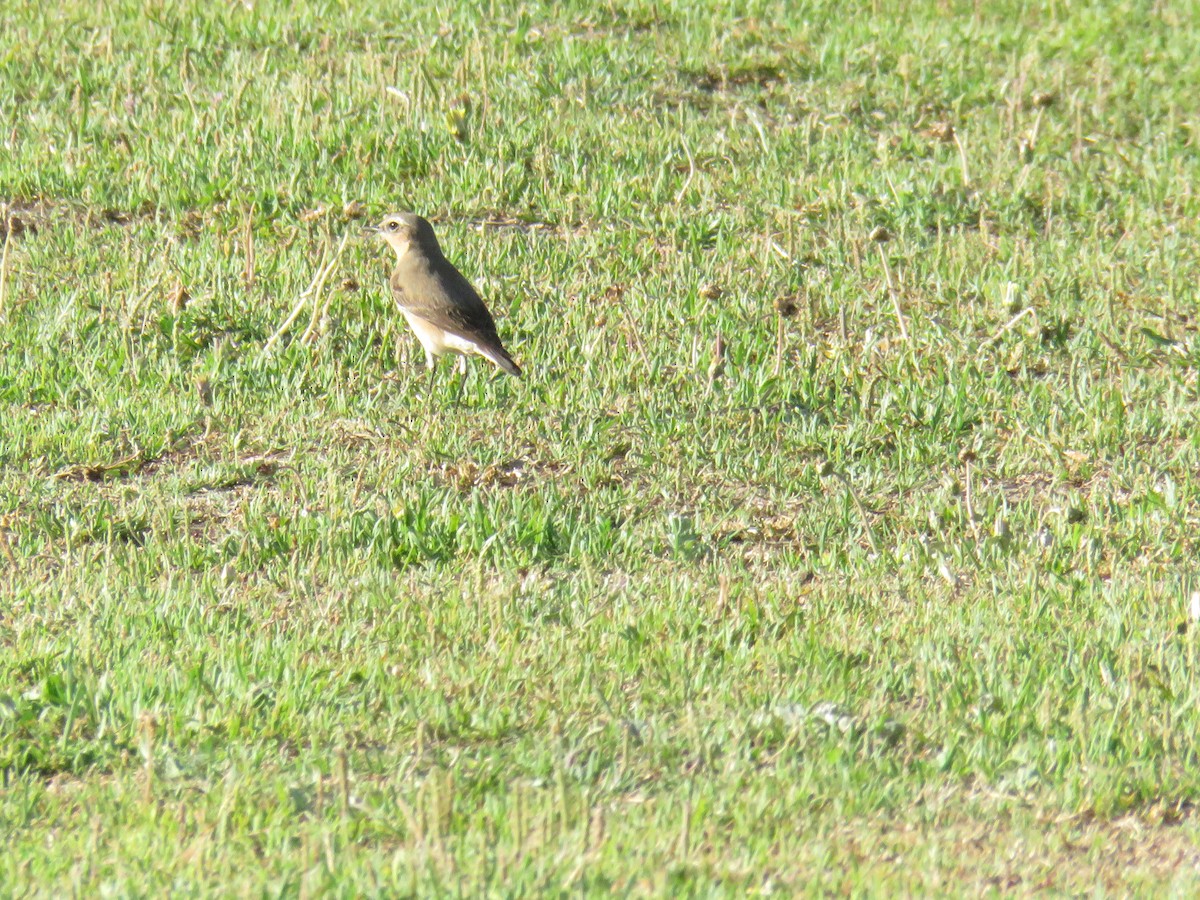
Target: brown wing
x: 439, y: 294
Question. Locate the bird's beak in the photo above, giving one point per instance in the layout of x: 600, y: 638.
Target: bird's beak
x: 371, y: 229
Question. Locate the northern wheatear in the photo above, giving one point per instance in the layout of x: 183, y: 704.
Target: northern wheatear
x: 443, y: 309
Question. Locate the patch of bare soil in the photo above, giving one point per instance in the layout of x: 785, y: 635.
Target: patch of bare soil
x: 465, y: 475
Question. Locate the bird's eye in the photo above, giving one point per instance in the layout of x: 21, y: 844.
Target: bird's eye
x: 392, y: 226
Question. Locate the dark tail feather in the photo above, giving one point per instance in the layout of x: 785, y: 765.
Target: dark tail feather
x: 500, y: 357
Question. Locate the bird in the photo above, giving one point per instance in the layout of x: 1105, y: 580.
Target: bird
x: 444, y: 311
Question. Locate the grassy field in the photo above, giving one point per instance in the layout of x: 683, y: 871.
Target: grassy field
x: 841, y: 537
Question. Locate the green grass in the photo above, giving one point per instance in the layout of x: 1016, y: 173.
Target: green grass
x: 716, y: 600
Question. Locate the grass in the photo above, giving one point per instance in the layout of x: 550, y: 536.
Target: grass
x: 841, y: 537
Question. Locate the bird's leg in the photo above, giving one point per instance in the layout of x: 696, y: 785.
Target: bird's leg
x: 461, y: 365
x: 430, y: 364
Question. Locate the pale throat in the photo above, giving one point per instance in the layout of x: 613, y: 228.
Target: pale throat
x: 401, y: 246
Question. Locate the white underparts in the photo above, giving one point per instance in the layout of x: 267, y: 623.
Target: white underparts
x: 437, y: 342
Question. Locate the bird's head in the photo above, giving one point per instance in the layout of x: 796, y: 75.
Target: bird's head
x: 404, y: 231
